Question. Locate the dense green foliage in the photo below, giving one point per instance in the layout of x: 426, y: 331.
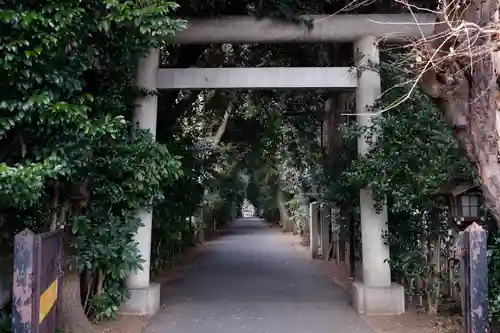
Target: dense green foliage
x: 413, y: 155
x: 67, y: 74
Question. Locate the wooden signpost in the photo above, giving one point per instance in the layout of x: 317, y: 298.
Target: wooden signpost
x: 36, y: 282
x: 474, y: 280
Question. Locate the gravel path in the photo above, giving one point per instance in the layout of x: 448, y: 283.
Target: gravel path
x: 252, y: 281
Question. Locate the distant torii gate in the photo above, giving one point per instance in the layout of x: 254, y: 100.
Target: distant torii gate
x: 376, y: 294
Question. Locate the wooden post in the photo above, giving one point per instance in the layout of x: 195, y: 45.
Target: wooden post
x: 436, y: 283
x: 351, y: 246
x: 475, y: 280
x: 347, y: 255
x: 313, y: 229
x: 36, y: 281
x: 24, y: 293
x: 452, y: 264
x: 325, y: 231
x: 336, y: 248
x: 335, y: 229
x: 342, y: 238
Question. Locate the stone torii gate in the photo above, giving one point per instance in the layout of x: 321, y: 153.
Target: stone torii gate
x: 376, y: 294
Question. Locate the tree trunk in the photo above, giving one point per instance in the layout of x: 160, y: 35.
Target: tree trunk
x: 72, y: 318
x: 432, y: 306
x: 285, y: 218
x: 71, y: 314
x: 337, y: 105
x: 222, y: 127
x: 344, y: 231
x: 304, y: 223
x: 464, y: 86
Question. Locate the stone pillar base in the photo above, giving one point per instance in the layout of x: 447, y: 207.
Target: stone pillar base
x: 142, y: 302
x: 383, y: 301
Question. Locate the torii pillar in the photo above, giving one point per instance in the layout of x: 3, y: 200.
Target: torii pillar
x: 144, y: 296
x: 376, y: 295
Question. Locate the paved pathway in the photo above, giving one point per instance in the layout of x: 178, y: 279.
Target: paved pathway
x: 253, y: 281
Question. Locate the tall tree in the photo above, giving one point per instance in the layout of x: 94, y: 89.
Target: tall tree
x: 459, y: 67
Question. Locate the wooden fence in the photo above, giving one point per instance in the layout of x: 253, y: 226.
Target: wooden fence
x: 337, y: 245
x: 447, y: 265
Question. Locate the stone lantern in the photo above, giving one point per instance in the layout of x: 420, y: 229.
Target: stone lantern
x: 464, y: 200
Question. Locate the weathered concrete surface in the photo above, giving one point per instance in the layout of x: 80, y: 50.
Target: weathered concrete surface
x: 142, y: 301
x: 144, y: 298
x: 252, y: 280
x: 257, y: 78
x: 326, y: 28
